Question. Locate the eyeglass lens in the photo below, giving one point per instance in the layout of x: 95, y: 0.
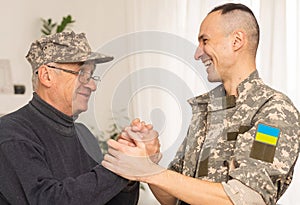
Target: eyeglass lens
x: 85, y: 77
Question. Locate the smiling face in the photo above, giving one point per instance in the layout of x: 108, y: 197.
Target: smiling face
x: 214, y: 47
x: 68, y: 94
x: 83, y: 91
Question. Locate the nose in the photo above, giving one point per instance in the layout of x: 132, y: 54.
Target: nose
x: 91, y: 85
x: 198, y: 53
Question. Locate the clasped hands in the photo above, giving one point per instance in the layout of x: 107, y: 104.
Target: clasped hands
x: 136, y: 153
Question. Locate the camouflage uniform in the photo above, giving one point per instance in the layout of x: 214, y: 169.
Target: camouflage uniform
x: 222, y: 143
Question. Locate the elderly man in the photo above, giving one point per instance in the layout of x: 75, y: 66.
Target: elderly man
x: 243, y: 140
x: 45, y: 157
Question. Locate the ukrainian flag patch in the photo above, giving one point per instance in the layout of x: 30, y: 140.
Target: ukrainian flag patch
x: 267, y: 134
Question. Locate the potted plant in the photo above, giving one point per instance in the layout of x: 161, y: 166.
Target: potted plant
x: 49, y: 26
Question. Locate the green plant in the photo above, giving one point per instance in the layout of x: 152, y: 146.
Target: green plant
x: 49, y: 25
x: 112, y: 133
x: 114, y: 129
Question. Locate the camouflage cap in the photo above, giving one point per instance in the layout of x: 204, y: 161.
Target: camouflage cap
x: 64, y: 47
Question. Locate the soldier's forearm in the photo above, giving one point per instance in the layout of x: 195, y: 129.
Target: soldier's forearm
x: 162, y: 196
x: 190, y: 190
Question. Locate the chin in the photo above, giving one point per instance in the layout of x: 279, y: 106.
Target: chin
x: 214, y: 80
x: 79, y: 110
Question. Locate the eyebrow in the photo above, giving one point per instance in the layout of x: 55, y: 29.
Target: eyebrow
x: 200, y: 38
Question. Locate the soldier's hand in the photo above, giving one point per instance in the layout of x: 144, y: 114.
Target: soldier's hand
x: 139, y: 131
x: 130, y: 162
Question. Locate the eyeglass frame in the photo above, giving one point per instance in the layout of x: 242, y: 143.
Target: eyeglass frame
x: 95, y: 78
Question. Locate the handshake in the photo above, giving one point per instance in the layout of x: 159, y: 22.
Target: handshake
x: 136, y: 153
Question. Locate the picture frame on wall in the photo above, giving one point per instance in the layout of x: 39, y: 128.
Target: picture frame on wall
x: 6, y: 84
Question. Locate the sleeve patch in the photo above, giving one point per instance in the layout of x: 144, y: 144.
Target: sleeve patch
x: 264, y: 145
x: 267, y: 134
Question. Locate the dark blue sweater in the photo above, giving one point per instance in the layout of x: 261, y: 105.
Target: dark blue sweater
x: 44, y: 160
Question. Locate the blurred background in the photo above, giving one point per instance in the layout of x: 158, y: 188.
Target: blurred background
x: 153, y: 73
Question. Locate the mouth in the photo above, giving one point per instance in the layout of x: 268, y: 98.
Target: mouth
x: 85, y: 95
x: 208, y: 63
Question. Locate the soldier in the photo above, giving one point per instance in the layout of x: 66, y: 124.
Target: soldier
x: 243, y: 140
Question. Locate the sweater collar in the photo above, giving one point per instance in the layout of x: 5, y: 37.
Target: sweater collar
x: 52, y: 114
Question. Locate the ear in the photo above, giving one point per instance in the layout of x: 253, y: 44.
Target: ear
x: 239, y: 39
x: 45, y: 76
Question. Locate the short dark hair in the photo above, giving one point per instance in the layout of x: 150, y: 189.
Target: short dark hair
x: 225, y: 8
x: 229, y: 7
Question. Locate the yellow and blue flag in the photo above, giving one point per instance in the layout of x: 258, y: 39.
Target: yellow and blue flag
x: 267, y: 134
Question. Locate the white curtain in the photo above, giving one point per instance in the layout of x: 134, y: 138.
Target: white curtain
x: 280, y: 60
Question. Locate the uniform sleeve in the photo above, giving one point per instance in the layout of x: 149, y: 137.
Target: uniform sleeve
x: 265, y: 155
x: 241, y: 194
x: 26, y: 178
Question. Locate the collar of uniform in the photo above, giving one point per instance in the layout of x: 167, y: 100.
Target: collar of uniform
x: 248, y: 84
x: 199, y: 103
x: 216, y: 99
x: 205, y: 98
x: 221, y: 103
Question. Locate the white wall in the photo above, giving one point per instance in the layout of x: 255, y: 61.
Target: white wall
x: 20, y: 24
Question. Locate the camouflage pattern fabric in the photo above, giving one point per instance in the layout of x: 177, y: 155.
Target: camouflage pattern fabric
x: 64, y: 47
x: 221, y: 141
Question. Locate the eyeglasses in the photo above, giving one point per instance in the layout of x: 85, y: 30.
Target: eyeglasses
x: 83, y: 77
